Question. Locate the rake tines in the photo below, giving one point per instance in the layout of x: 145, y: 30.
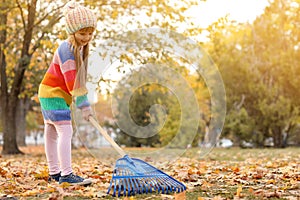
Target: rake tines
x: 133, y: 176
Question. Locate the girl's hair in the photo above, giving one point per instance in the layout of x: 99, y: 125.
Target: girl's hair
x: 81, y: 58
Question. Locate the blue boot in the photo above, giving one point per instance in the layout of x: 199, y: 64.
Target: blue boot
x: 54, y: 177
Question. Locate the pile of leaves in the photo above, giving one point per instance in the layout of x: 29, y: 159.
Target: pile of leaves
x: 223, y: 174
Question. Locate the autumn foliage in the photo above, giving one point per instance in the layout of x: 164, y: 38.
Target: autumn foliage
x: 222, y: 174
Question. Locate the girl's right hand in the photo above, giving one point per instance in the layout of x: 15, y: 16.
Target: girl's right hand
x: 87, y: 112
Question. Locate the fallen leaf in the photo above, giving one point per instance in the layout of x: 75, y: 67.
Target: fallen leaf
x: 180, y: 196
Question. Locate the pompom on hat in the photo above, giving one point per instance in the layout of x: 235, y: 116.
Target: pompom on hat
x: 78, y: 17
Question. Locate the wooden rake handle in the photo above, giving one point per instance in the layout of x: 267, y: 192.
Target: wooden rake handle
x: 106, y: 136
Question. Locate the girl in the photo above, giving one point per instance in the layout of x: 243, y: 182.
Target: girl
x: 58, y: 88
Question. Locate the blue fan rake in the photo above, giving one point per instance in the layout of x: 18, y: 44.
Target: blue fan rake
x: 133, y: 176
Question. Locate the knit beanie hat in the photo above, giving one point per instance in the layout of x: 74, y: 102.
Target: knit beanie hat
x: 78, y: 17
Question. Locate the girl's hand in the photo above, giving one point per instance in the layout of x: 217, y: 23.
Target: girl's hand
x: 86, y: 112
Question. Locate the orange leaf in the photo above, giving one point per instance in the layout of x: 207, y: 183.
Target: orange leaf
x: 250, y: 190
x: 180, y: 196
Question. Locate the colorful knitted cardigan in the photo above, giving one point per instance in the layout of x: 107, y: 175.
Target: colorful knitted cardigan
x: 56, y: 89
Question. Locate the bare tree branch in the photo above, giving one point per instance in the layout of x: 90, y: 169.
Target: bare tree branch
x: 49, y: 26
x: 56, y: 10
x: 22, y: 14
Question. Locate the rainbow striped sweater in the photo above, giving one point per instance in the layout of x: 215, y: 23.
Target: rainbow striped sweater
x: 56, y: 89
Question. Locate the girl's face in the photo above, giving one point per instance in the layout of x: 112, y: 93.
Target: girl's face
x: 84, y: 36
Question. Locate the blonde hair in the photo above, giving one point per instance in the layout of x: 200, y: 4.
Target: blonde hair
x: 81, y: 60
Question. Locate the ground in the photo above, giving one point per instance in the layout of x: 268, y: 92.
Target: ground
x: 223, y: 174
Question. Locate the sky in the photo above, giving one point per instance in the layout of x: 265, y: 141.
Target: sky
x: 210, y: 11
x: 239, y: 10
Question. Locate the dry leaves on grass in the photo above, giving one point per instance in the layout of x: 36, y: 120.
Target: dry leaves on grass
x: 260, y: 177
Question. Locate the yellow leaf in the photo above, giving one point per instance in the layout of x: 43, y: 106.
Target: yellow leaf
x: 51, y: 189
x: 31, y: 192
x: 272, y: 181
x: 130, y: 198
x: 114, y: 14
x: 238, y: 191
x: 64, y: 185
x: 42, y: 174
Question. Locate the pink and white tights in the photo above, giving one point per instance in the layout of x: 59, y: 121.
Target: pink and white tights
x: 58, y: 148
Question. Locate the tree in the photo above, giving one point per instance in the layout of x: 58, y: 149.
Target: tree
x: 140, y: 103
x: 156, y: 107
x: 260, y: 64
x: 34, y: 25
x: 28, y: 22
x: 136, y: 48
x: 272, y: 47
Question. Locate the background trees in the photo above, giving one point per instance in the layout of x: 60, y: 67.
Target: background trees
x: 24, y: 28
x: 259, y: 63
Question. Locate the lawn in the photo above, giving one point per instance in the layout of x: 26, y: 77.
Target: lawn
x: 222, y: 174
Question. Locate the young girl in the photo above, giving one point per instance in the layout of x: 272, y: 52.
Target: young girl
x: 60, y: 87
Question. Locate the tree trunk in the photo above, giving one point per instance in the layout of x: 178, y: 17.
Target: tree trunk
x: 8, y: 104
x: 22, y: 107
x: 9, y: 129
x: 278, y: 137
x: 206, y: 136
x: 285, y: 136
x: 1, y: 120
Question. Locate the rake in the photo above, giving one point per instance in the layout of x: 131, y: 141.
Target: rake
x: 133, y: 176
